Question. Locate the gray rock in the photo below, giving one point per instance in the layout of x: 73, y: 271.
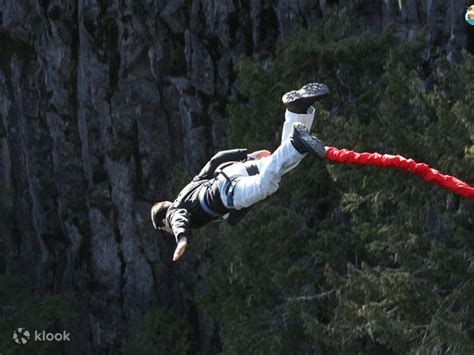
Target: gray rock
x: 199, y: 63
x: 105, y: 260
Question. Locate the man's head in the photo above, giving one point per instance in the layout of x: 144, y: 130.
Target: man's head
x: 158, y: 214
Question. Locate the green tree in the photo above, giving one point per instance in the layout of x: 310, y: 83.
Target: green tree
x: 20, y: 307
x: 346, y: 258
x: 160, y: 332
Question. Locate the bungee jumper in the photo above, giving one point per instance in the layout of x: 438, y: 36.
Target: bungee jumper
x: 234, y: 180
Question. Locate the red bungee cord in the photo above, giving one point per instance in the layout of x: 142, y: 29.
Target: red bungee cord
x: 345, y: 156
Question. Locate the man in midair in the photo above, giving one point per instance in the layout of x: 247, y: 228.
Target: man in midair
x: 234, y: 180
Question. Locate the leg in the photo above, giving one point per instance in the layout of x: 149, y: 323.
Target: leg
x: 290, y: 118
x: 251, y: 189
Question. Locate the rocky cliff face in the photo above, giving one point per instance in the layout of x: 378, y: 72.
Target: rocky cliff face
x: 99, y: 100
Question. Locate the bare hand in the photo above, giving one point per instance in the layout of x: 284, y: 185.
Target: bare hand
x: 259, y: 154
x: 182, y: 244
x: 153, y: 211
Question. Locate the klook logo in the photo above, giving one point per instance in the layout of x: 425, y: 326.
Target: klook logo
x: 22, y: 336
x: 43, y: 336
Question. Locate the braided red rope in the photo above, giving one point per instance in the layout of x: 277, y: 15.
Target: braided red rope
x: 422, y: 170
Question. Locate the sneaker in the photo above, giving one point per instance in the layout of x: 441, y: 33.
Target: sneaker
x: 298, y: 101
x: 306, y: 143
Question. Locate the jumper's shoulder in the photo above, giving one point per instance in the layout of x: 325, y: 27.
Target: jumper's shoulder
x: 187, y: 192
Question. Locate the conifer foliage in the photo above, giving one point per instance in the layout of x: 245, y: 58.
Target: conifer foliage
x: 344, y: 258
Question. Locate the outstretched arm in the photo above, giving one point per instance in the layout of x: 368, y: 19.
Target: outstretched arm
x: 224, y: 156
x: 180, y: 249
x: 179, y: 221
x: 228, y: 155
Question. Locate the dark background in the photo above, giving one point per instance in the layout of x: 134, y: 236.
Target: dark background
x: 109, y: 106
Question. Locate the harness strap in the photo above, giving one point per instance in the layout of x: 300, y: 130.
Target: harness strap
x: 229, y: 188
x: 230, y: 184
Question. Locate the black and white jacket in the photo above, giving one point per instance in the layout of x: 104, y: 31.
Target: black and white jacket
x: 187, y: 212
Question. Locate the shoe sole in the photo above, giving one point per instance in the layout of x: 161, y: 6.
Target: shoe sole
x: 309, y: 91
x: 313, y: 145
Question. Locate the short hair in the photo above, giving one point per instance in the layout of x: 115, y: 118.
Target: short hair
x: 161, y: 209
